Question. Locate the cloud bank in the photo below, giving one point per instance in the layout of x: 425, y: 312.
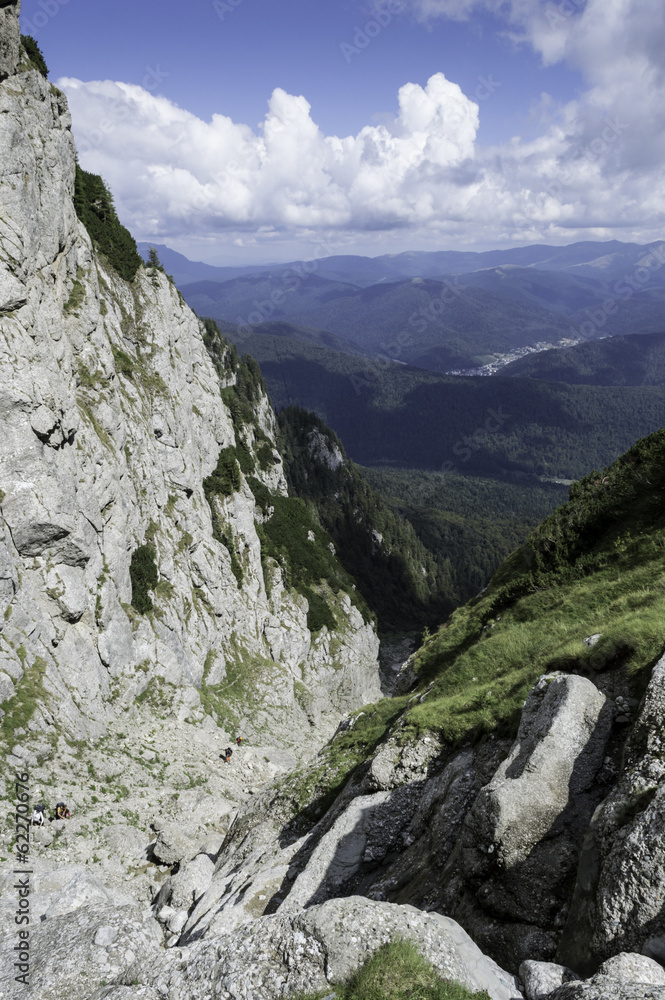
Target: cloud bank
x: 594, y: 171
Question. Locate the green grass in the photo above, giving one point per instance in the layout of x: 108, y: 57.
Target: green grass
x: 245, y: 684
x: 482, y: 668
x: 396, y: 971
x: 76, y: 296
x: 144, y: 576
x: 29, y: 691
x: 312, y: 788
x: 595, y: 566
x: 88, y: 414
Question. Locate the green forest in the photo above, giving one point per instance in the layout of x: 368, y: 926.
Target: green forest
x: 391, y: 414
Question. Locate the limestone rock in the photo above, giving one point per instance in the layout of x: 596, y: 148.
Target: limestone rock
x: 618, y: 901
x: 363, y: 834
x: 84, y: 889
x: 281, y: 954
x: 10, y: 35
x: 631, y: 968
x: 75, y: 954
x: 542, y: 978
x: 603, y: 988
x: 173, y: 844
x: 527, y: 824
x: 191, y: 881
x: 112, y: 419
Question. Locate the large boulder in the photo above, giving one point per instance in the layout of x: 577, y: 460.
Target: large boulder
x: 191, y: 881
x: 542, y: 978
x: 366, y: 830
x: 526, y: 826
x: 173, y: 844
x: 74, y: 954
x: 632, y: 968
x: 277, y: 955
x: 619, y: 900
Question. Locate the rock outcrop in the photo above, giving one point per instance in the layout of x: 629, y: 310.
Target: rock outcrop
x: 10, y: 37
x: 619, y: 900
x: 112, y: 419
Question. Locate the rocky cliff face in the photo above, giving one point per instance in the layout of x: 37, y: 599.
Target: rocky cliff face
x: 538, y: 826
x: 112, y: 419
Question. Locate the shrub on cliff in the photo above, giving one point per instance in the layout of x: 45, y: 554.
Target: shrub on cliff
x: 94, y: 206
x: 34, y: 53
x: 144, y: 576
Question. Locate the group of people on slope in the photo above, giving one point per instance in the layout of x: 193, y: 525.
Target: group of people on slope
x: 226, y: 755
x: 39, y: 814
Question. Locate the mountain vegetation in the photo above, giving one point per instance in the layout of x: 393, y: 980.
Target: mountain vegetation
x: 33, y: 55
x: 431, y: 324
x: 593, y: 568
x: 398, y: 576
x: 469, y: 524
x: 634, y: 360
x: 396, y: 971
x: 94, y: 206
x: 385, y: 413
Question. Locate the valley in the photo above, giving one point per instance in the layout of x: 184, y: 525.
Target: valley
x: 350, y: 672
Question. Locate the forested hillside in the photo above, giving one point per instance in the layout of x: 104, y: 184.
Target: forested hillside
x: 470, y: 524
x: 432, y: 324
x: 390, y: 413
x: 635, y: 360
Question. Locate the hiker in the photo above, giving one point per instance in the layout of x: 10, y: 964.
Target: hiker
x: 62, y: 812
x: 238, y: 740
x: 38, y: 818
x: 227, y: 755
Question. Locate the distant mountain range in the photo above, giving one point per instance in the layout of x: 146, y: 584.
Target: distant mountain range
x: 446, y: 310
x: 606, y: 261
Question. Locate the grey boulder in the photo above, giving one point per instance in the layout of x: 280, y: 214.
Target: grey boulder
x: 632, y: 968
x: 273, y: 956
x: 75, y: 954
x: 173, y: 844
x: 191, y: 881
x: 542, y: 978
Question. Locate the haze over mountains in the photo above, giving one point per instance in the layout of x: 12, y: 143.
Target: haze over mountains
x: 448, y: 310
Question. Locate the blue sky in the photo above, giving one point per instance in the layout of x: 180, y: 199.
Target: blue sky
x: 527, y: 82
x: 229, y: 61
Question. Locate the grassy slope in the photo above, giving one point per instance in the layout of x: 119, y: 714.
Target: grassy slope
x: 597, y: 565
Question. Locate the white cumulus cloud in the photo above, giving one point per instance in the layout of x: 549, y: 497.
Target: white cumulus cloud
x: 173, y: 172
x: 595, y: 171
